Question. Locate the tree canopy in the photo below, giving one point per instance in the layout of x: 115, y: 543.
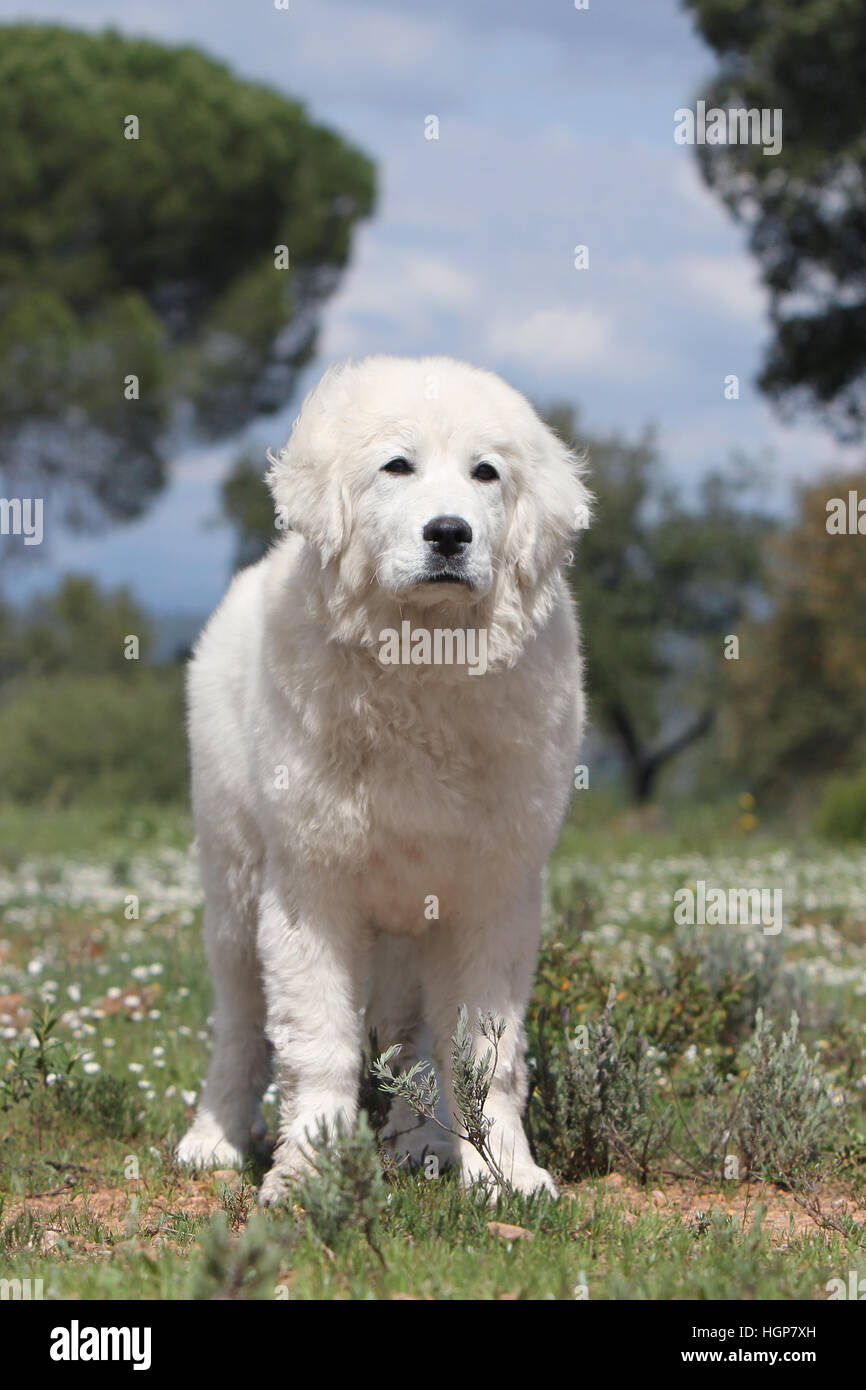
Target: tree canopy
x: 660, y: 585
x: 798, y: 697
x: 246, y: 503
x: 152, y: 257
x: 79, y: 628
x: 805, y: 208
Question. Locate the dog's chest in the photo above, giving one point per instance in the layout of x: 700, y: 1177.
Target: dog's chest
x: 412, y: 884
x: 437, y: 764
x: 442, y: 798
x: 413, y: 787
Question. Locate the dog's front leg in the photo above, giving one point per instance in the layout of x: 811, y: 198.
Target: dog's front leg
x: 314, y: 957
x: 486, y: 963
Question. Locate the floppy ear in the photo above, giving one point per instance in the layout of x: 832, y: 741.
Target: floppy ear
x: 309, y: 500
x: 305, y: 482
x: 552, y: 505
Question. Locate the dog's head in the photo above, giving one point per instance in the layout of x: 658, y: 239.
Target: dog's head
x: 431, y: 485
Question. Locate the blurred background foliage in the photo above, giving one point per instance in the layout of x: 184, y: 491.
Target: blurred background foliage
x: 157, y: 253
x: 804, y: 209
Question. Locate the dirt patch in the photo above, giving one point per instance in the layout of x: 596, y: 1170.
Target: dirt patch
x: 112, y: 1208
x: 785, y: 1216
x: 688, y: 1201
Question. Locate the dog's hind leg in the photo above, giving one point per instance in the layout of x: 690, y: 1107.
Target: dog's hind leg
x: 395, y: 1014
x: 228, y: 1116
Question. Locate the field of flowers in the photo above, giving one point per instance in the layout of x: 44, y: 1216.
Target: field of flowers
x: 104, y: 1040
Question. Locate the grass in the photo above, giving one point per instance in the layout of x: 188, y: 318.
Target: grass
x: 117, y: 1004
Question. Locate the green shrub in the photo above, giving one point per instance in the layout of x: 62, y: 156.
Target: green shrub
x: 102, y: 738
x: 79, y: 628
x: 244, y: 1266
x: 730, y: 975
x: 27, y: 1070
x: 841, y: 814
x: 344, y: 1191
x: 786, y: 1114
x: 594, y: 1103
x: 703, y: 992
x: 105, y: 1105
x: 771, y: 1120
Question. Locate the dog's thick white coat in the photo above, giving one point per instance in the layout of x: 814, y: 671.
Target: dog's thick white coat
x: 372, y: 837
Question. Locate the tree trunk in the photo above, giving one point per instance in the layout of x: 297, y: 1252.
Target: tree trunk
x: 643, y: 764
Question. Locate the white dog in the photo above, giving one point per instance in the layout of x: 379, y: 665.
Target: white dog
x: 373, y: 822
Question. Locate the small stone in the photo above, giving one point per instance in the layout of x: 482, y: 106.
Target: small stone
x: 510, y: 1233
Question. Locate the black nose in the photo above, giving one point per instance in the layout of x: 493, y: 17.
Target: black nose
x: 448, y: 534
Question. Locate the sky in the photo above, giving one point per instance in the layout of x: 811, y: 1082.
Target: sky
x: 555, y: 130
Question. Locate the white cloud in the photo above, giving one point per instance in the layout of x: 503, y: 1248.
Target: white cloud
x: 554, y: 338
x: 730, y: 285
x: 388, y: 288
x: 385, y: 278
x: 439, y: 280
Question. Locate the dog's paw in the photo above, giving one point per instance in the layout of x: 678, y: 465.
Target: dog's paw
x: 291, y: 1160
x: 275, y: 1187
x: 530, y: 1178
x: 526, y: 1178
x: 205, y: 1146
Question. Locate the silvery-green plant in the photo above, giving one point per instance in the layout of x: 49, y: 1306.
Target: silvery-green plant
x: 595, y: 1103
x: 472, y: 1075
x: 772, y: 1120
x: 344, y: 1191
x: 786, y: 1109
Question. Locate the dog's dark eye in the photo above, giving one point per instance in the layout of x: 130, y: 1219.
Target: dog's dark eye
x: 485, y: 473
x: 397, y: 466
